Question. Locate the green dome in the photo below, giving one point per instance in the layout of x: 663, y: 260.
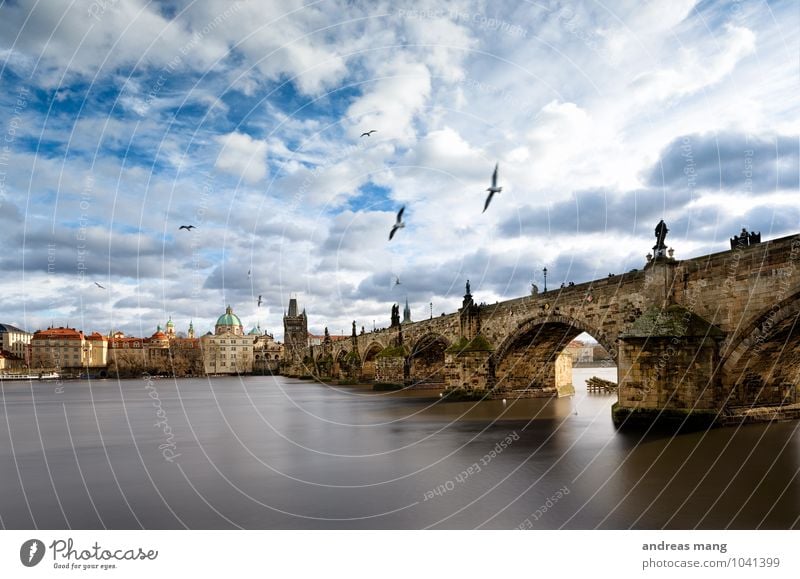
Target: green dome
x: 254, y: 332
x: 229, y: 318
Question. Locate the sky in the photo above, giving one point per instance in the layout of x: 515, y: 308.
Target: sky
x: 124, y: 119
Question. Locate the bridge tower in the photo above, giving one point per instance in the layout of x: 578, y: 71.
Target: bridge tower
x: 295, y: 339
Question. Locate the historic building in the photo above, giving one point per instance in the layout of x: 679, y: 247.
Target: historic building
x: 407, y: 314
x: 295, y: 341
x: 267, y: 353
x: 14, y: 343
x: 10, y: 363
x: 581, y: 353
x: 68, y: 348
x: 228, y: 350
x: 161, y: 353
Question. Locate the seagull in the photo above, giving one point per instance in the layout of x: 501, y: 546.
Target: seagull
x: 369, y: 133
x: 396, y: 280
x: 98, y: 285
x: 493, y: 189
x: 186, y: 227
x: 398, y: 224
x: 259, y: 300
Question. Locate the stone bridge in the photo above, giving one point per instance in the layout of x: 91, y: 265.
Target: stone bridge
x: 695, y: 336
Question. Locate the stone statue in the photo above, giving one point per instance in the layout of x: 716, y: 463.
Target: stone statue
x: 354, y: 328
x: 745, y: 239
x: 395, y: 315
x: 468, y: 292
x: 661, y: 234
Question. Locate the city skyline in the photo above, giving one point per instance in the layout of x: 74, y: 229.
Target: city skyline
x: 125, y: 122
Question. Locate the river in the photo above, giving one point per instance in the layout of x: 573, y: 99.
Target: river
x: 264, y: 453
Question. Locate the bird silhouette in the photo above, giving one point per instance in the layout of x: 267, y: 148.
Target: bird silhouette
x: 399, y: 223
x: 493, y: 189
x: 369, y: 133
x: 98, y: 285
x: 396, y: 280
x: 259, y: 300
x: 186, y: 227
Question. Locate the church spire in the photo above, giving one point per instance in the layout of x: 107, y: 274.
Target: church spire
x: 406, y: 313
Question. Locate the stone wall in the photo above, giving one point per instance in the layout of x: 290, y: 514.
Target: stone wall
x: 390, y: 369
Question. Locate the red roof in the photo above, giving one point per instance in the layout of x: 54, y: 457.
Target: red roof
x: 120, y: 342
x: 58, y: 334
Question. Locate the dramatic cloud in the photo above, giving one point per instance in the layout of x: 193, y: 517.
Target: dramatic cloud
x: 124, y: 120
x: 749, y: 164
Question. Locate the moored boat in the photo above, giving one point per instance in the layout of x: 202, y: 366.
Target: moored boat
x: 30, y: 376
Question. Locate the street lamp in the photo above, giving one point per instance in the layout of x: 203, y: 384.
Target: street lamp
x: 545, y: 279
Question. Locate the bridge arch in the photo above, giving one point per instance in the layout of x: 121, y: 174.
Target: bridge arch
x: 528, y: 358
x: 427, y: 359
x: 761, y: 363
x: 368, y: 360
x: 529, y: 328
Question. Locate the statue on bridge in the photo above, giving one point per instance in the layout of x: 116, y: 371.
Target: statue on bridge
x: 395, y: 315
x: 661, y: 234
x: 745, y: 239
x: 468, y: 292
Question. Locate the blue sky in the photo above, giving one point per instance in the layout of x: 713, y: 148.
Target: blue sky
x: 123, y: 120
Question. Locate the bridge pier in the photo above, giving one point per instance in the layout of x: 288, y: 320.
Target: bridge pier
x: 469, y: 368
x: 668, y: 362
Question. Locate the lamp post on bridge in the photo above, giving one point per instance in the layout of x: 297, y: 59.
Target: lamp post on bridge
x: 545, y: 279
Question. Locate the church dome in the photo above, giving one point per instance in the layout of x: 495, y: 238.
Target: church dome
x: 254, y: 332
x: 229, y: 323
x: 229, y: 318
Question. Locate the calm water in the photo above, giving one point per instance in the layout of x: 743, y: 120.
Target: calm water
x: 262, y: 452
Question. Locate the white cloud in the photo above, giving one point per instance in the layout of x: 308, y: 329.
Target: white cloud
x: 399, y: 92
x: 697, y: 67
x: 242, y: 156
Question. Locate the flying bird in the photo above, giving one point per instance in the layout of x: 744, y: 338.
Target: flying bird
x: 396, y: 280
x: 369, y: 133
x: 259, y: 300
x: 398, y: 224
x: 98, y: 285
x: 186, y: 227
x: 493, y: 189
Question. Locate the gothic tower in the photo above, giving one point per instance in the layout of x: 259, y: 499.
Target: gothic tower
x: 295, y: 340
x: 406, y: 313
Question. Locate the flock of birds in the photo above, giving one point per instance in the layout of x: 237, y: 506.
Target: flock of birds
x: 399, y: 224
x: 493, y: 189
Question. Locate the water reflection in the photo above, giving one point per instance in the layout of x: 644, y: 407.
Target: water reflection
x: 277, y: 453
